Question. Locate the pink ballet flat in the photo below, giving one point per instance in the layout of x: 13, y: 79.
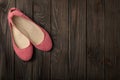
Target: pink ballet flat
x: 21, y: 44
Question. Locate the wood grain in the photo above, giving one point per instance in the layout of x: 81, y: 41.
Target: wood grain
x: 112, y: 40
x: 77, y: 40
x: 6, y: 53
x: 59, y: 31
x: 95, y: 40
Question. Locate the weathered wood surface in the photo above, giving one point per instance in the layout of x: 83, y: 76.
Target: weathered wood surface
x: 86, y: 40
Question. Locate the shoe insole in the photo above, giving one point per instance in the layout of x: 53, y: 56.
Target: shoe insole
x: 29, y: 29
x: 20, y: 40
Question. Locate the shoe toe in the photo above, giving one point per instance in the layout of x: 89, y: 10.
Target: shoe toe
x: 46, y: 45
x: 25, y: 54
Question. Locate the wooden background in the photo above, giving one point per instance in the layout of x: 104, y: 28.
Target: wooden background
x: 86, y: 37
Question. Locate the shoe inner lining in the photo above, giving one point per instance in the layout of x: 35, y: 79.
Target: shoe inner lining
x: 20, y: 40
x: 29, y: 29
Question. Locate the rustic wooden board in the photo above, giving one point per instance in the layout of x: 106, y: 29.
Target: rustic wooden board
x: 86, y: 40
x: 77, y: 39
x: 6, y: 50
x: 112, y: 40
x: 95, y: 40
x: 59, y: 31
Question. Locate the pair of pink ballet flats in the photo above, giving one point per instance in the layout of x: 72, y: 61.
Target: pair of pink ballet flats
x: 25, y: 33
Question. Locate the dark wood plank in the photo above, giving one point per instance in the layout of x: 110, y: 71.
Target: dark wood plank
x: 77, y: 32
x: 95, y: 40
x: 112, y: 39
x: 41, y: 68
x: 59, y: 31
x: 6, y: 50
x: 23, y: 70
